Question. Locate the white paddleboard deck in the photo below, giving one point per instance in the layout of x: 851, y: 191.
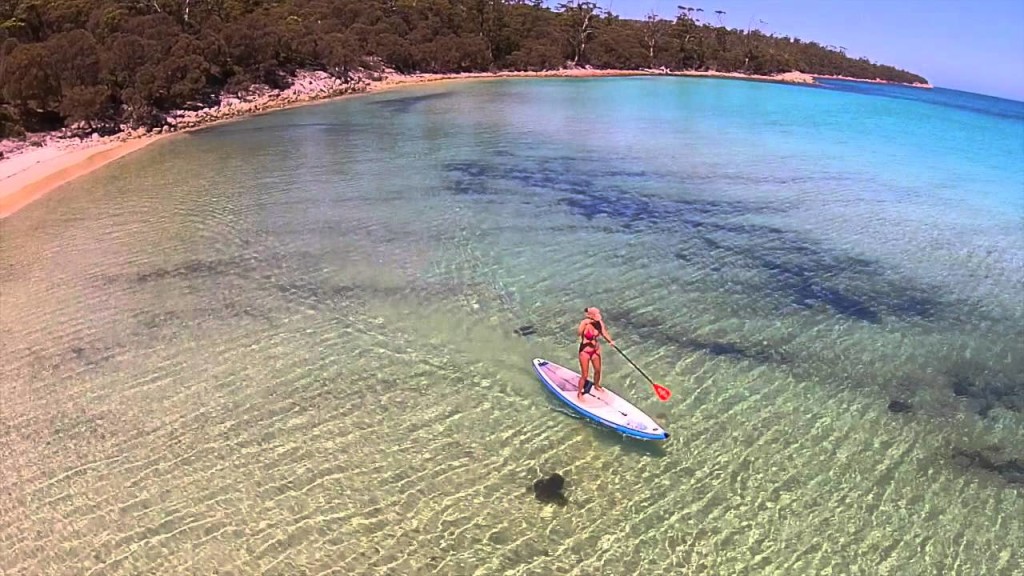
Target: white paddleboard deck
x: 601, y: 406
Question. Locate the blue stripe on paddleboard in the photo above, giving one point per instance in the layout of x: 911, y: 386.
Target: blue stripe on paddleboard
x: 595, y: 417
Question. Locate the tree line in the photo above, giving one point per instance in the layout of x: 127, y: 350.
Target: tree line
x: 112, y: 62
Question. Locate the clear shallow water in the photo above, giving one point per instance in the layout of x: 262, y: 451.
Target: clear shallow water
x: 285, y: 345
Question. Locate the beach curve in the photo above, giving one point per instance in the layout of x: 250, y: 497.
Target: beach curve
x: 30, y: 176
x: 34, y: 171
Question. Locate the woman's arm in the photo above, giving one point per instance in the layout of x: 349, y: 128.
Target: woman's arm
x: 604, y: 332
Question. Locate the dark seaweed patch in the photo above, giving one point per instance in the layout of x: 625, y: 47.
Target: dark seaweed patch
x: 983, y: 393
x: 153, y: 320
x: 549, y: 489
x: 984, y: 387
x: 544, y: 175
x: 808, y: 290
x: 330, y: 125
x: 234, y: 130
x: 731, y: 349
x: 720, y: 348
x: 527, y: 330
x: 406, y: 104
x: 651, y: 330
x: 900, y: 407
x: 190, y: 269
x: 991, y: 459
x: 814, y: 293
x: 93, y: 356
x: 911, y: 305
x: 806, y: 275
x: 315, y: 293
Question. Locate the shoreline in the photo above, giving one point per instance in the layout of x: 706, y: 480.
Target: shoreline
x: 30, y: 183
x: 875, y: 81
x: 32, y: 168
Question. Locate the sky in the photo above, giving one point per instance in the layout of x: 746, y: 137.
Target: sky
x: 971, y: 45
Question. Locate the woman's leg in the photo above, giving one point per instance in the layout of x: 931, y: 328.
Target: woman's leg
x: 596, y: 361
x: 584, y: 371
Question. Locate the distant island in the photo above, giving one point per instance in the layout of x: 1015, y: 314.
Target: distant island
x: 112, y: 66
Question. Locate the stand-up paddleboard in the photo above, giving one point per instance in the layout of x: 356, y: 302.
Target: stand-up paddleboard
x: 601, y: 406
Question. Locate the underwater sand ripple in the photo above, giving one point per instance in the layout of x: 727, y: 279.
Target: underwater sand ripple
x: 270, y: 375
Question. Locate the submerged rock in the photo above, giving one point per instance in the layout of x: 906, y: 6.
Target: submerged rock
x: 983, y: 388
x: 1010, y: 469
x: 550, y: 489
x: 525, y: 330
x: 899, y: 406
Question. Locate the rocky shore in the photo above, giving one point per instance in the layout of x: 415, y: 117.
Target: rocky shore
x: 306, y: 86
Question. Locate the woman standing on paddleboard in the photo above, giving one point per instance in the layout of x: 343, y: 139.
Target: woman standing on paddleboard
x: 590, y: 351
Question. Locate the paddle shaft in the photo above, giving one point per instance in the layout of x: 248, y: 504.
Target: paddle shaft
x: 631, y: 362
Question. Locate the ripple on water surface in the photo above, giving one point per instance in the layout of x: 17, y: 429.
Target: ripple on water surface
x: 298, y: 355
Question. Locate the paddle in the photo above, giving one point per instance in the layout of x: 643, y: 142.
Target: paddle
x: 663, y: 393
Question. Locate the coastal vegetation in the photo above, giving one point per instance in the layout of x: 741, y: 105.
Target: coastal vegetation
x: 107, y: 64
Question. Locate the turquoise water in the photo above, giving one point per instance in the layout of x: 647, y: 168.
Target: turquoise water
x: 286, y: 344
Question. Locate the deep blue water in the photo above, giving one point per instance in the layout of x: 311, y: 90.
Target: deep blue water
x: 956, y: 99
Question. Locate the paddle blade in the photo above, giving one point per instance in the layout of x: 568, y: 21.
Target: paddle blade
x: 662, y: 392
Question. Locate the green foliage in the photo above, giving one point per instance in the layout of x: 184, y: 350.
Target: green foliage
x: 85, y: 104
x: 115, y: 61
x: 29, y: 79
x: 10, y: 125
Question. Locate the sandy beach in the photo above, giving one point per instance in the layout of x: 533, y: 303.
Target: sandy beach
x: 30, y: 175
x: 31, y: 169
